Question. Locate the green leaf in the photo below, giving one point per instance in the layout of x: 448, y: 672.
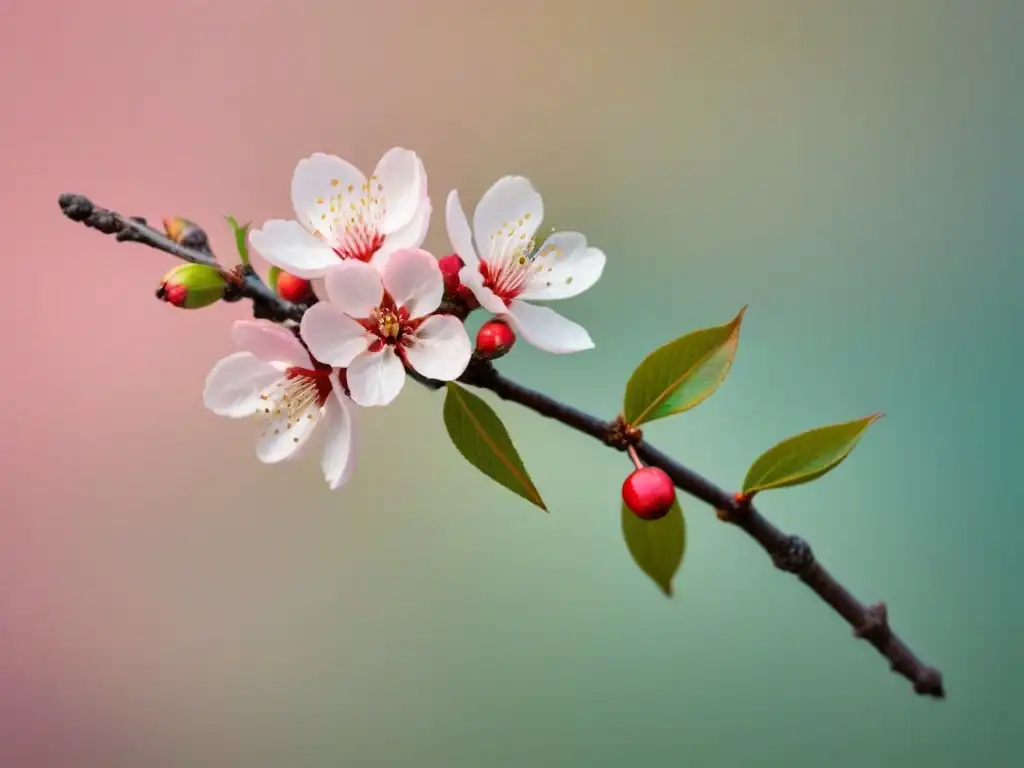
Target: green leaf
x: 241, y: 235
x: 805, y: 457
x: 657, y: 546
x: 483, y: 441
x: 681, y: 374
x: 272, y: 274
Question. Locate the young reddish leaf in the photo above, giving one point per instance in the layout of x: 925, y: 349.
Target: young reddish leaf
x: 681, y: 374
x: 483, y: 441
x: 657, y: 546
x: 806, y: 456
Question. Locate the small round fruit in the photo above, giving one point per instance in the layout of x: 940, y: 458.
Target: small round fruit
x: 494, y: 339
x: 649, y: 493
x: 292, y: 288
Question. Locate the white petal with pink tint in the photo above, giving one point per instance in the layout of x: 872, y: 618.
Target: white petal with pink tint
x: 441, y: 350
x: 472, y: 279
x: 338, y: 458
x: 234, y: 384
x: 565, y: 267
x: 333, y: 337
x: 279, y: 442
x: 270, y: 342
x: 376, y: 378
x: 355, y: 287
x: 548, y: 330
x: 288, y: 246
x: 507, y: 215
x: 414, y: 280
x: 411, y: 235
x: 316, y: 180
x: 399, y: 180
x: 459, y: 233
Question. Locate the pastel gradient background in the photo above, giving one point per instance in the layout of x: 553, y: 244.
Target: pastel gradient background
x: 850, y: 169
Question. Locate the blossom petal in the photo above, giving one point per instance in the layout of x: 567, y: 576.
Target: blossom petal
x: 270, y: 342
x: 442, y: 349
x: 355, y: 288
x: 376, y: 378
x: 234, y: 384
x: 459, y: 233
x: 489, y: 300
x: 338, y: 458
x: 287, y: 245
x: 507, y: 216
x: 319, y: 287
x: 411, y: 235
x: 548, y: 330
x: 279, y: 441
x: 332, y: 336
x: 399, y: 180
x: 317, y: 182
x: 567, y: 267
x: 414, y: 280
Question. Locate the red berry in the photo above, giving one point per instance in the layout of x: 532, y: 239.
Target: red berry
x: 494, y: 339
x: 292, y: 288
x: 649, y: 493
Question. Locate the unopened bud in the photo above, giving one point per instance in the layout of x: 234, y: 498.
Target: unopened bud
x: 450, y: 266
x: 293, y: 289
x: 454, y: 290
x: 494, y: 339
x: 192, y: 286
x: 184, y: 232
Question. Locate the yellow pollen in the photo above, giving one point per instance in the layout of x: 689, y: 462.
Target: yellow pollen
x: 388, y: 323
x: 286, y: 403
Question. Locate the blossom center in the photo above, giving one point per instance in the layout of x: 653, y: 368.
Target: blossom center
x: 391, y: 325
x: 349, y: 220
x: 299, y: 395
x: 513, y: 263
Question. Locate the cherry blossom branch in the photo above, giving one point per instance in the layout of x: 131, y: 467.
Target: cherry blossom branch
x: 788, y: 553
x: 196, y: 249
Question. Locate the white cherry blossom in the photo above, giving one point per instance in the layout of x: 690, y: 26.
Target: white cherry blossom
x: 505, y: 270
x: 374, y: 324
x: 341, y: 215
x: 274, y: 381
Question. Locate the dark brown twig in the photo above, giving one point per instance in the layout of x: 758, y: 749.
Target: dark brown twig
x: 788, y: 553
x: 135, y: 230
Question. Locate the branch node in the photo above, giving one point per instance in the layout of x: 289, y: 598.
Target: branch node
x: 875, y: 627
x: 795, y: 556
x: 127, y: 234
x: 622, y: 435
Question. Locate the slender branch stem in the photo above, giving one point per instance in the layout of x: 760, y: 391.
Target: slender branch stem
x: 788, y: 553
x: 135, y: 230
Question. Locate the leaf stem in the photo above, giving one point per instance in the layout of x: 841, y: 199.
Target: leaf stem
x: 788, y: 553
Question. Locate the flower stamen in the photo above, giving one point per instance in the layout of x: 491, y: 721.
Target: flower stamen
x: 512, y: 259
x: 349, y: 221
x: 299, y: 395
